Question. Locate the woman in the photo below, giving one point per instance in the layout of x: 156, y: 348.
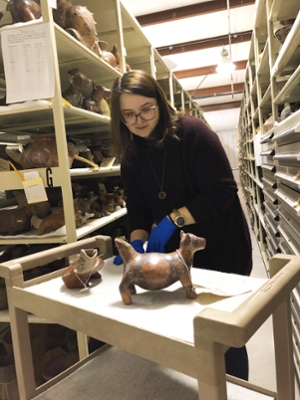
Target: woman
x: 177, y: 177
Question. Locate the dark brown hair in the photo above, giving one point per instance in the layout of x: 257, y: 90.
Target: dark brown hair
x: 143, y: 84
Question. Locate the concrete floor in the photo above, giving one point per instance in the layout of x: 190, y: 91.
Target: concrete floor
x: 260, y: 346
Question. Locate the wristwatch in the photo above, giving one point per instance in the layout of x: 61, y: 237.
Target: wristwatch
x: 179, y: 220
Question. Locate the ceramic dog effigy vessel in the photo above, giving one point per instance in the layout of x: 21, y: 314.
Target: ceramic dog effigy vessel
x: 155, y: 271
x: 83, y: 268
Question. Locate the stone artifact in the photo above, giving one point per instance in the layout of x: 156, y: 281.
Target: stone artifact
x: 78, y: 81
x: 155, y: 271
x: 15, y: 220
x: 79, y: 22
x: 24, y: 10
x: 84, y: 267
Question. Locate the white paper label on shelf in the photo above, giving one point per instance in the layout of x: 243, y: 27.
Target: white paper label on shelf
x: 31, y: 174
x: 34, y: 190
x: 52, y: 3
x: 28, y: 63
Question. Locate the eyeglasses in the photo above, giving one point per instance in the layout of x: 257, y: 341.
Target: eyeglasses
x: 146, y: 113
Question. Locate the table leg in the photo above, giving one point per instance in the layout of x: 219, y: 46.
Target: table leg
x: 212, y: 375
x: 22, y: 353
x: 83, y: 348
x: 284, y: 351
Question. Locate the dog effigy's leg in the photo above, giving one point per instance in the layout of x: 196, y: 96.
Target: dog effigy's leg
x: 125, y: 288
x: 188, y: 286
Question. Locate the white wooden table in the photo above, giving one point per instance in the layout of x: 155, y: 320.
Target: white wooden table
x: 188, y: 336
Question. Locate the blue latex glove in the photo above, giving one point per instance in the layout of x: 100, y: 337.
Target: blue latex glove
x: 160, y: 235
x: 137, y: 245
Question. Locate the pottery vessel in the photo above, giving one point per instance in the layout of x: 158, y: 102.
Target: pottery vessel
x: 106, y: 55
x: 24, y: 10
x: 155, y: 271
x: 98, y: 101
x: 15, y: 220
x: 82, y: 269
x: 78, y: 81
x: 79, y: 22
x: 41, y: 153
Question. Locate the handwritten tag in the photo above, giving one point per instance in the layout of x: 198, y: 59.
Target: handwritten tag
x: 28, y: 63
x: 34, y: 190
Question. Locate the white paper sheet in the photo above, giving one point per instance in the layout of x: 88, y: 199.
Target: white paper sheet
x: 226, y: 287
x: 28, y: 62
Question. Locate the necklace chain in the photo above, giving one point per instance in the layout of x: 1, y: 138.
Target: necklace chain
x: 162, y: 194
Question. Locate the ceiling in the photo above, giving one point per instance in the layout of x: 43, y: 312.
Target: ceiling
x: 191, y: 35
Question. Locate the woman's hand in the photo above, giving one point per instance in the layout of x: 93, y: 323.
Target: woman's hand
x: 160, y: 235
x: 138, y: 247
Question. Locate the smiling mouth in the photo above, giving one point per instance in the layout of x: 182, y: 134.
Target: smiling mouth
x: 142, y: 127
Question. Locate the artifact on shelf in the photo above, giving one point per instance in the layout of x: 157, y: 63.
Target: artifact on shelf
x: 155, y: 271
x: 106, y: 55
x: 15, y: 220
x: 82, y: 268
x: 78, y: 81
x: 38, y: 339
x: 57, y: 361
x: 116, y: 53
x: 268, y: 124
x: 24, y: 10
x: 118, y: 200
x: 282, y: 28
x: 286, y: 112
x: 289, y: 109
x: 39, y: 209
x: 85, y: 153
x: 83, y: 202
x: 98, y: 100
x: 42, y: 153
x: 8, y: 377
x: 79, y: 22
x: 56, y: 220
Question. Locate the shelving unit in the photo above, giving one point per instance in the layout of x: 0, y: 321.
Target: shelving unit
x: 273, y: 179
x: 116, y: 26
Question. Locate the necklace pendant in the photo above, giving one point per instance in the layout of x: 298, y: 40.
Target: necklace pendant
x: 162, y: 195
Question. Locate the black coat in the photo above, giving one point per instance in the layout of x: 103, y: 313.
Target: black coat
x: 198, y: 176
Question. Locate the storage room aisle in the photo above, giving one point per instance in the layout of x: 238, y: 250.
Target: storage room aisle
x: 260, y: 347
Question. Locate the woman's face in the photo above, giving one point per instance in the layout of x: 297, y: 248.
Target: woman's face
x: 140, y: 113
